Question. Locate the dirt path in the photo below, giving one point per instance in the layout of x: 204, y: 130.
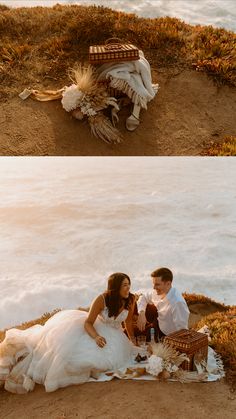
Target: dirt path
x: 188, y: 113
x: 123, y: 399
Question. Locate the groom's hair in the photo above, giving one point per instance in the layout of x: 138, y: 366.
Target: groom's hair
x: 165, y: 274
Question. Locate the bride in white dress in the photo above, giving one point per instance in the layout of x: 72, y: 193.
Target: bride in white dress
x: 73, y: 345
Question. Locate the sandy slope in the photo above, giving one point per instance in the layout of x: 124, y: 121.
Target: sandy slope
x: 124, y: 399
x: 189, y: 112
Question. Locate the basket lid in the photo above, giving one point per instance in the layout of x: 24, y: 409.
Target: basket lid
x: 186, y: 336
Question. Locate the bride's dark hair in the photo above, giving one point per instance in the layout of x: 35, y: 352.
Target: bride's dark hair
x: 113, y: 300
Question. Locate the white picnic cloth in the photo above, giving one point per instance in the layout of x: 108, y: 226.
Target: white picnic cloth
x: 214, y: 367
x: 215, y: 371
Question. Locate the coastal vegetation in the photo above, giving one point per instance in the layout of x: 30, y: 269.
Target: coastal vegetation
x: 227, y: 148
x: 62, y: 34
x: 223, y: 335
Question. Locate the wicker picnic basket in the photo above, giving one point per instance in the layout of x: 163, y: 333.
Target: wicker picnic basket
x: 190, y: 342
x: 114, y: 50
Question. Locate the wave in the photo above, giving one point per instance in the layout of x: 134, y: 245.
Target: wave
x: 203, y: 12
x: 40, y: 295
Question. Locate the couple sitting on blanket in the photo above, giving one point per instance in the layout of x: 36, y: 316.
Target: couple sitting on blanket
x: 74, y: 345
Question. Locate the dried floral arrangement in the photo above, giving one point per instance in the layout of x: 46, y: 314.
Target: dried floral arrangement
x: 164, y: 363
x: 85, y: 98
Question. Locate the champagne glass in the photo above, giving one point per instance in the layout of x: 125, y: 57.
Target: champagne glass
x: 141, y: 341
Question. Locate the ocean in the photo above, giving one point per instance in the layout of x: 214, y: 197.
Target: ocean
x: 67, y: 223
x: 219, y: 13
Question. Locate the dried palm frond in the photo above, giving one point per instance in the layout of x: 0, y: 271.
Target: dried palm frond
x: 99, y: 101
x: 200, y: 362
x: 189, y: 376
x: 102, y: 128
x: 168, y: 353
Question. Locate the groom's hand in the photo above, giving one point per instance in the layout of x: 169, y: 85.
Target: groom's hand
x: 141, y: 322
x: 100, y: 341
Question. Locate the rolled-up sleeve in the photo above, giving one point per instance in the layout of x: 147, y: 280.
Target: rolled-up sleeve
x: 144, y: 300
x: 180, y: 315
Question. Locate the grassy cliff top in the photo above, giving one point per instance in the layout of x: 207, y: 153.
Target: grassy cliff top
x: 41, y: 43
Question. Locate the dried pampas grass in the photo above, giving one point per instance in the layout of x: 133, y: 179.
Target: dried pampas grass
x: 84, y: 78
x: 168, y: 354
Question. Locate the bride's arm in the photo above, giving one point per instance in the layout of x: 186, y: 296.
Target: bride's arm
x: 129, y: 321
x: 94, y: 311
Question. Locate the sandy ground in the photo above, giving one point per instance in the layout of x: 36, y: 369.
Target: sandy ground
x: 126, y: 398
x: 188, y: 114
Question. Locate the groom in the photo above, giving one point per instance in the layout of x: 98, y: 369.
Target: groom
x: 164, y: 306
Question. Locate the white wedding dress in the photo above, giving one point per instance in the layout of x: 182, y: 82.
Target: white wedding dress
x: 61, y: 352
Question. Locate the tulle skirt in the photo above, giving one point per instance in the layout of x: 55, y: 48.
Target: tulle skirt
x: 60, y: 353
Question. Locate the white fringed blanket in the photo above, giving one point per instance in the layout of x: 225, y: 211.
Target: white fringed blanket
x: 133, y: 78
x: 214, y: 371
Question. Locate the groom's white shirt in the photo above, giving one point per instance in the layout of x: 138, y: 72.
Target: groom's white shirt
x: 173, y: 312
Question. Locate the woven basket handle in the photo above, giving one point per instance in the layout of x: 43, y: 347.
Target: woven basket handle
x: 113, y: 43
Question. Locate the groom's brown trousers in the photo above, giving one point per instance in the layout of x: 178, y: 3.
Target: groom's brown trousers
x: 151, y: 314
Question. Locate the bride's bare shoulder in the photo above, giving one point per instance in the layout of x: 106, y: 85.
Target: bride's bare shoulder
x: 99, y: 302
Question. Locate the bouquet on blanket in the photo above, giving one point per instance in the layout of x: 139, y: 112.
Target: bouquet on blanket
x: 165, y: 362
